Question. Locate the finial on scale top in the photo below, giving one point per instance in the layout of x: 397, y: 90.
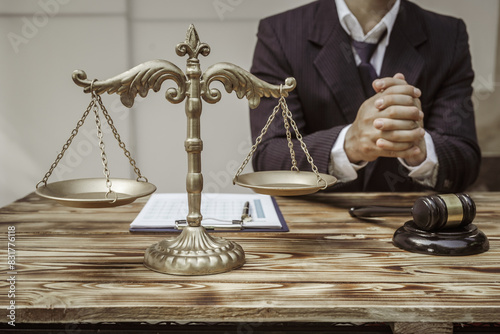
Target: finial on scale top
x: 192, y: 45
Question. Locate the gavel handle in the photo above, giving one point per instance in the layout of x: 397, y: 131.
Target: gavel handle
x: 378, y: 211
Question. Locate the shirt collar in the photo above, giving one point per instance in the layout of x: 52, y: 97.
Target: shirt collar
x: 351, y: 25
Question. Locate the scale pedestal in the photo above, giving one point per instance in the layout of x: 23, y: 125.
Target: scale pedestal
x: 194, y: 251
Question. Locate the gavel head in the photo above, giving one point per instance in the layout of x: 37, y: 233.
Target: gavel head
x: 438, y: 212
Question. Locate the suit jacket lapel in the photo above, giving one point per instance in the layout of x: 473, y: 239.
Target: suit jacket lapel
x: 335, y: 60
x: 401, y: 54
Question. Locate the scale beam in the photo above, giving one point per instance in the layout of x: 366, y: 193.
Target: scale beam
x: 138, y: 80
x: 245, y: 84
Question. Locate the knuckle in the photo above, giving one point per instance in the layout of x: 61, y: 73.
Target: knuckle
x: 415, y: 114
x: 409, y: 90
x: 388, y: 99
x: 419, y: 132
x: 365, y: 149
x: 391, y: 112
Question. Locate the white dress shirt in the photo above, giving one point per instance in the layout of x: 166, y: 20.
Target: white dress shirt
x: 340, y: 166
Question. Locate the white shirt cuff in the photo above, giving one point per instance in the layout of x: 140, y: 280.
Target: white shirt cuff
x: 425, y: 173
x: 345, y: 171
x: 340, y: 166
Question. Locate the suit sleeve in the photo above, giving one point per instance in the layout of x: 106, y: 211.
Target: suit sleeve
x: 452, y: 124
x: 270, y: 63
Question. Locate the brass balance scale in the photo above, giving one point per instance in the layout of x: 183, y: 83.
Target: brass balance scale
x: 194, y: 251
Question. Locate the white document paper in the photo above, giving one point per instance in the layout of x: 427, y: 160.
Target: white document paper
x: 162, y: 210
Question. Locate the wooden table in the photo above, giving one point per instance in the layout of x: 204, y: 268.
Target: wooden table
x: 84, y: 266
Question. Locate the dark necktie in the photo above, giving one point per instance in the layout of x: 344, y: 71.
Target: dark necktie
x: 366, y: 70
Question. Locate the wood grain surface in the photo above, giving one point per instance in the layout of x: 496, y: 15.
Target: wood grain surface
x: 83, y: 265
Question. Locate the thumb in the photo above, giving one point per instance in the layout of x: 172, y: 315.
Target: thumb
x: 399, y: 76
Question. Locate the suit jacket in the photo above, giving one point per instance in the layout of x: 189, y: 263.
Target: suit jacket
x: 309, y: 43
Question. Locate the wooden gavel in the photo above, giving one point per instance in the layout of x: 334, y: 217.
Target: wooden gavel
x: 430, y: 213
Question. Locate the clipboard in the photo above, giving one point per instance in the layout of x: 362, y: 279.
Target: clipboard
x: 166, y: 212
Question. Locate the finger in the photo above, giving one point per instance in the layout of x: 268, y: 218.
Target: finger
x: 410, y: 154
x: 388, y: 124
x: 418, y: 103
x: 402, y: 113
x: 415, y: 156
x: 391, y: 149
x: 387, y: 138
x: 399, y: 76
x: 404, y: 90
x: 386, y: 101
x: 384, y: 83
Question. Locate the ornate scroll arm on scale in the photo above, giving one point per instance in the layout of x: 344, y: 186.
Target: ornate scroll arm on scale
x: 242, y: 82
x: 140, y: 79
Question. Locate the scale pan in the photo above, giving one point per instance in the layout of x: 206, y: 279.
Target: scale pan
x: 90, y: 193
x: 284, y: 183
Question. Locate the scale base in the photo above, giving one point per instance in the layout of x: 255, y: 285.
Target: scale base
x: 194, y: 252
x: 466, y: 240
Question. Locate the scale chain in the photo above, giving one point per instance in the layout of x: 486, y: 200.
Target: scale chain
x: 120, y: 142
x: 94, y: 105
x: 287, y: 120
x: 104, y: 158
x: 288, y: 114
x: 289, y: 140
x: 67, y: 144
x: 257, y: 142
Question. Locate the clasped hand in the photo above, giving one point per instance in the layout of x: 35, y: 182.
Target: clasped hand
x: 389, y: 124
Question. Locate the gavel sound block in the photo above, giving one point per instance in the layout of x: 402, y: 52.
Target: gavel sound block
x: 441, y: 225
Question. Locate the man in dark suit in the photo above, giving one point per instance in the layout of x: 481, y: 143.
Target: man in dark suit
x: 412, y: 129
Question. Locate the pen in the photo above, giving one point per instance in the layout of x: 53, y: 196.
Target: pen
x: 245, y: 215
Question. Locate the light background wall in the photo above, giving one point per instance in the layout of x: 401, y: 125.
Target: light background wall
x: 43, y: 41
